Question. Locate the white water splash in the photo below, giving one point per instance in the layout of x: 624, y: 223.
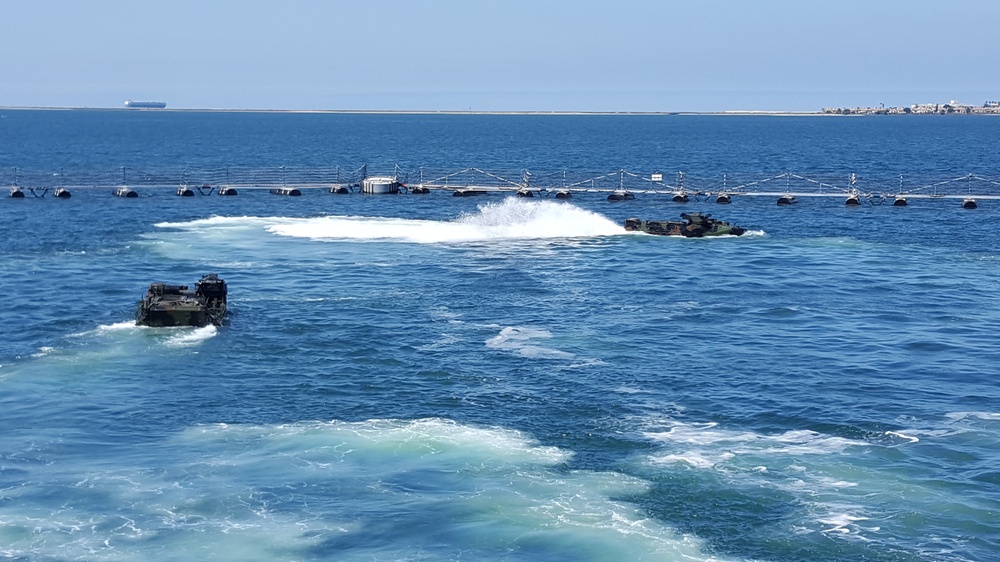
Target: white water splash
x: 189, y: 337
x: 510, y: 219
x: 103, y: 329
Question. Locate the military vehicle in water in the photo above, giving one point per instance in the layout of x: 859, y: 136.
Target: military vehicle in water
x: 694, y: 225
x: 175, y: 305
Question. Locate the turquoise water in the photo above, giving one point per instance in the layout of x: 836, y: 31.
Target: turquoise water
x: 435, y: 378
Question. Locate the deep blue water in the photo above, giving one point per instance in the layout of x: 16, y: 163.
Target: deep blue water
x: 436, y: 378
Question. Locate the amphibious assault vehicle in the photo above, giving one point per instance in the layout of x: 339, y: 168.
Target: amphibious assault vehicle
x: 694, y: 225
x: 175, y: 305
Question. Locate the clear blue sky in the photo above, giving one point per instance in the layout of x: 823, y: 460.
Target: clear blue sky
x: 571, y: 55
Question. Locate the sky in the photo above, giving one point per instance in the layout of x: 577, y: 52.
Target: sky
x: 491, y: 55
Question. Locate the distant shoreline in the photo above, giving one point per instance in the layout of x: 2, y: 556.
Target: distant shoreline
x: 410, y: 111
x: 822, y: 113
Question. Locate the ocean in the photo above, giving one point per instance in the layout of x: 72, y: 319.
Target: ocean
x: 424, y: 377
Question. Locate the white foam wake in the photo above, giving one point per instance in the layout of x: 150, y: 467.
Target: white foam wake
x: 189, y: 337
x: 510, y: 219
x: 351, y: 490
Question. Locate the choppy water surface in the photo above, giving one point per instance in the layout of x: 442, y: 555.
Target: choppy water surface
x: 431, y: 378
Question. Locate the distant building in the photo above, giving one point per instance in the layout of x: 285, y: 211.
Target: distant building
x: 952, y: 107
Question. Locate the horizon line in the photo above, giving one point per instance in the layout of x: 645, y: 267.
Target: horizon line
x: 414, y: 111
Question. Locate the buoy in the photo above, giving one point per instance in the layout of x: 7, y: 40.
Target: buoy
x: 899, y: 201
x: 620, y: 195
x: 969, y: 204
x: 290, y: 191
x: 184, y: 191
x: 62, y: 193
x: 125, y: 192
x: 723, y: 199
x: 16, y: 193
x: 852, y: 201
x: 341, y: 190
x: 680, y: 198
x: 525, y: 193
x: 227, y: 191
x: 786, y: 200
x: 420, y: 190
x: 564, y: 194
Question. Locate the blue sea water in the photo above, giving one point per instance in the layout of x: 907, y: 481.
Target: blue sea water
x: 435, y: 378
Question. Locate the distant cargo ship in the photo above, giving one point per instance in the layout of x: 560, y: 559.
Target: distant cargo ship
x: 146, y: 104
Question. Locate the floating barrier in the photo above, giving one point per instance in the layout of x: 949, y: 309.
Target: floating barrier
x: 184, y: 191
x: 17, y: 193
x: 619, y: 185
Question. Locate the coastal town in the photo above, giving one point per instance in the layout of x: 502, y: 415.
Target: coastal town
x: 952, y: 107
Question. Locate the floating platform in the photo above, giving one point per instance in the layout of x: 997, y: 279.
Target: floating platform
x: 380, y: 185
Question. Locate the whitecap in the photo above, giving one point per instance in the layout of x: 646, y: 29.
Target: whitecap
x: 694, y: 459
x: 828, y: 482
x: 516, y: 340
x: 908, y: 438
x: 985, y: 416
x: 629, y: 390
x: 841, y: 523
x: 585, y: 364
x: 705, y: 440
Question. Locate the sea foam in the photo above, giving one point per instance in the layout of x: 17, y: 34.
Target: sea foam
x: 518, y: 340
x: 275, y: 491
